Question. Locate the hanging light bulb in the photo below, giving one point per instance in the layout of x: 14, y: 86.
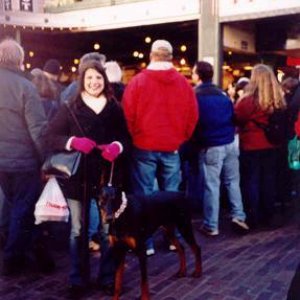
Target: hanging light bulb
x: 96, y: 46
x: 183, y: 48
x: 148, y: 39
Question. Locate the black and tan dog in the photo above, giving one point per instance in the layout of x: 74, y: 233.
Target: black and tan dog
x: 132, y: 219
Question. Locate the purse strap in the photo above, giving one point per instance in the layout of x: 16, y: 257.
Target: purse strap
x: 75, y: 119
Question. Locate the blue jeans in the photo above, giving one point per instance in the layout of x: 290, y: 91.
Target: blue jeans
x: 21, y: 192
x: 259, y: 174
x: 149, y: 166
x: 221, y: 163
x: 94, y: 221
x: 106, y: 265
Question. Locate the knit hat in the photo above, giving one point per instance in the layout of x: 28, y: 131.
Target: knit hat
x: 93, y: 56
x: 241, y: 83
x: 243, y: 79
x: 52, y: 66
x: 162, y: 45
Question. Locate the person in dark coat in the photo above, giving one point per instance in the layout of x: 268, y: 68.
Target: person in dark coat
x: 22, y: 124
x: 48, y: 92
x: 51, y: 69
x: 105, y: 138
x: 67, y: 95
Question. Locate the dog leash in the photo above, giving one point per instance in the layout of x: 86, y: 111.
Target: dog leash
x: 111, y: 173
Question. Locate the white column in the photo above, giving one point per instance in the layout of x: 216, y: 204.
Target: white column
x: 209, y: 41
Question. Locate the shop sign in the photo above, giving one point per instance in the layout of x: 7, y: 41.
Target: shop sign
x: 7, y: 5
x: 26, y: 5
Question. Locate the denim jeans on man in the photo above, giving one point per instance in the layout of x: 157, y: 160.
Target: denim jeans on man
x: 21, y: 190
x: 150, y: 165
x: 221, y: 163
x: 106, y: 265
x: 147, y: 166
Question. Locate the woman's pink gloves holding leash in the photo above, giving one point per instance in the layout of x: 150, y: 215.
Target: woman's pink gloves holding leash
x: 83, y: 144
x: 111, y: 151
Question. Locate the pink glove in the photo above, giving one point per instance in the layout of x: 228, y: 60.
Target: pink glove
x: 83, y: 144
x: 111, y: 151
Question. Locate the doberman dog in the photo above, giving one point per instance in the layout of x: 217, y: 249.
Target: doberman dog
x: 134, y: 218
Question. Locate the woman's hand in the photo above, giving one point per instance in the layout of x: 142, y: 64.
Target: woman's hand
x: 111, y: 151
x: 83, y: 144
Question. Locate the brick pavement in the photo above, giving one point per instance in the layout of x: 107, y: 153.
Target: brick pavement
x: 258, y: 266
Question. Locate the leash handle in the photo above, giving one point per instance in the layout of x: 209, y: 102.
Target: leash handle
x: 111, y: 174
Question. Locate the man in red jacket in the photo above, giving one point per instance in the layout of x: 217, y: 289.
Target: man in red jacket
x: 161, y: 112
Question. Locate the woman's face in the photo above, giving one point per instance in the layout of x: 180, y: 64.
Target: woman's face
x: 93, y: 82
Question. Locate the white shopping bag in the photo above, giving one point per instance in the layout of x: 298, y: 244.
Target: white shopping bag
x: 51, y: 205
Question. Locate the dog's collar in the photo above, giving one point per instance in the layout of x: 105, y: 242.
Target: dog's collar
x: 122, y: 207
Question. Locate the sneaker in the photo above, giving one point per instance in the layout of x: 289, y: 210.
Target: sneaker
x: 208, y: 231
x: 239, y: 226
x: 172, y: 247
x: 150, y: 251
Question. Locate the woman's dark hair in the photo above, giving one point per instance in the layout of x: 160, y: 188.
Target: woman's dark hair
x: 204, y: 70
x: 96, y: 65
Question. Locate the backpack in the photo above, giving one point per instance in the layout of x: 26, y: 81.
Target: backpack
x: 294, y: 153
x: 276, y: 128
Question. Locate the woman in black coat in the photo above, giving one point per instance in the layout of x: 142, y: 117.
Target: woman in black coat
x: 104, y: 138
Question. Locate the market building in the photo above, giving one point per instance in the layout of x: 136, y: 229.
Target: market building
x: 231, y: 34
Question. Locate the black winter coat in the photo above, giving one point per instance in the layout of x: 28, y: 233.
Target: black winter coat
x: 107, y: 126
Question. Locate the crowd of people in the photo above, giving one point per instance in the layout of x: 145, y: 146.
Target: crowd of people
x: 160, y: 132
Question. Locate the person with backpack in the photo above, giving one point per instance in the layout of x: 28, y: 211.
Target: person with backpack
x: 260, y: 119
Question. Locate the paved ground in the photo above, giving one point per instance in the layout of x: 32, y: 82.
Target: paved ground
x: 258, y: 266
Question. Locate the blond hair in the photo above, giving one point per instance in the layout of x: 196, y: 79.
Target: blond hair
x: 265, y: 88
x: 11, y: 54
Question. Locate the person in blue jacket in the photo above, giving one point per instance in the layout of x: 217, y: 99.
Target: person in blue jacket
x: 214, y: 138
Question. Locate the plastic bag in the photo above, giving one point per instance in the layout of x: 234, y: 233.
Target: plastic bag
x: 51, y: 205
x: 294, y: 153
